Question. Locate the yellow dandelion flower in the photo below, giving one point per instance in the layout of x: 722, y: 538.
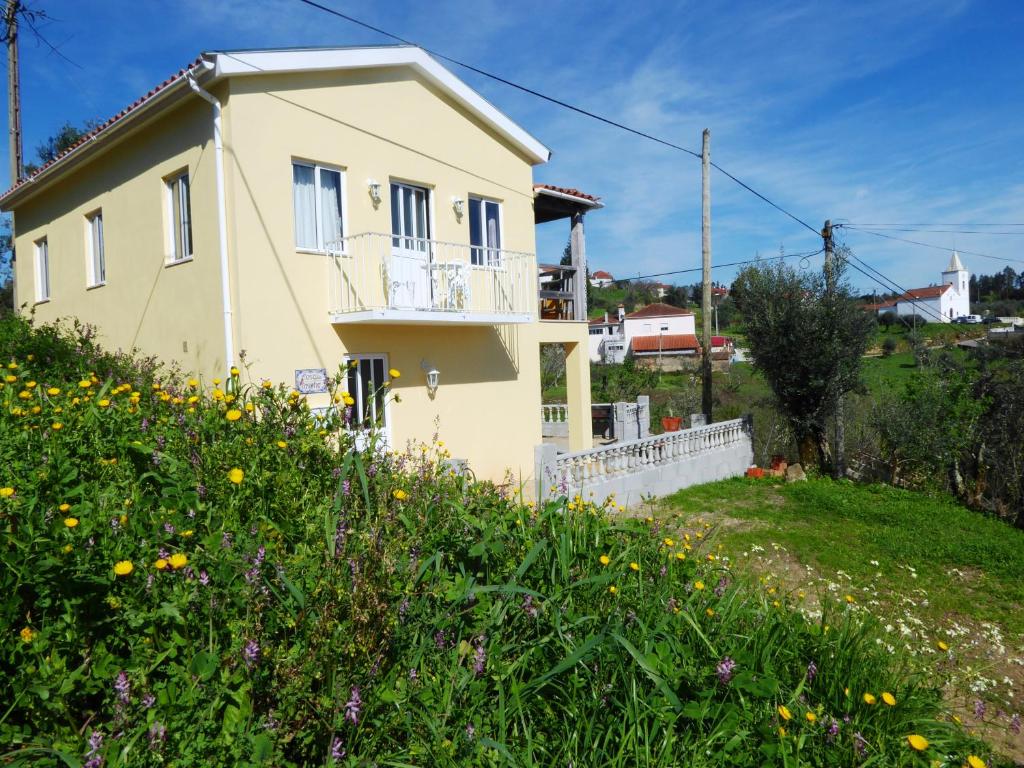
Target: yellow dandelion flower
x: 235, y: 475
x: 784, y: 712
x: 394, y: 373
x: 680, y: 555
x: 811, y: 717
x: 233, y: 415
x: 943, y: 646
x: 66, y: 548
x: 193, y: 383
x: 123, y: 567
x: 710, y: 612
x: 234, y: 371
x: 160, y: 564
x: 613, y: 589
x: 869, y: 699
x: 187, y: 534
x: 249, y: 407
x: 668, y: 542
x: 103, y: 403
x: 27, y: 635
x: 85, y: 384
x: 177, y: 560
x: 56, y: 426
x: 53, y: 391
x: 400, y: 494
x: 282, y: 444
x: 634, y: 566
x: 70, y: 522
x: 888, y: 698
x: 604, y: 559
x: 266, y: 384
x: 698, y: 585
x: 849, y: 599
x: 975, y: 762
x: 920, y: 743
x: 64, y: 507
x: 782, y: 732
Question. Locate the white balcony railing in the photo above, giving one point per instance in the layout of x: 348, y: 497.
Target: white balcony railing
x: 377, y: 277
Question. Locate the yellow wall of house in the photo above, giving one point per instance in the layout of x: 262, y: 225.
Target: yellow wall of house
x: 173, y: 312
x: 379, y: 124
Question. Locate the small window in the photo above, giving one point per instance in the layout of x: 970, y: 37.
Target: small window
x: 664, y: 327
x: 42, y: 270
x: 180, y: 217
x: 485, y: 231
x: 366, y: 377
x: 96, y: 265
x: 317, y: 194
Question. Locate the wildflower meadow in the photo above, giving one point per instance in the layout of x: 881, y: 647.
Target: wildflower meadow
x: 207, y: 573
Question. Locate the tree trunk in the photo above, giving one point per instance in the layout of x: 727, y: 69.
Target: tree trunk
x: 807, y: 447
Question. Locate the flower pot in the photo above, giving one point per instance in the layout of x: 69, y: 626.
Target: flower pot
x: 755, y: 473
x: 671, y: 423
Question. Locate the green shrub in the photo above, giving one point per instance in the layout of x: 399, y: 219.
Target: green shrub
x: 290, y: 602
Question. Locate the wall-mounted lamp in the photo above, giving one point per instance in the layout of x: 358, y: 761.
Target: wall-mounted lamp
x: 374, y: 189
x: 433, y: 376
x: 458, y: 205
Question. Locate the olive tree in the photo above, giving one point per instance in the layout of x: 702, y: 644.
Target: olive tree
x: 807, y: 341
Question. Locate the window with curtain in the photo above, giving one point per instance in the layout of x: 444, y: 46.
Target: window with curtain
x: 366, y: 377
x: 485, y: 231
x: 42, y: 270
x: 179, y: 192
x: 97, y: 256
x: 317, y: 194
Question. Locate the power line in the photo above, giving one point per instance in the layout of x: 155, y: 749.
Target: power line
x: 922, y: 228
x: 806, y: 255
x: 889, y: 226
x: 559, y: 102
x: 928, y: 245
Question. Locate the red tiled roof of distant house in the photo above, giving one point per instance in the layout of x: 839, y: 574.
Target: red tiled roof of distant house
x: 658, y: 309
x: 719, y: 341
x: 876, y: 307
x: 602, y: 321
x: 602, y: 275
x: 716, y: 291
x: 931, y: 292
x: 95, y: 132
x: 568, y: 191
x: 669, y: 342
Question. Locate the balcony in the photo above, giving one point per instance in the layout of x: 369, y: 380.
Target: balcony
x: 380, y: 278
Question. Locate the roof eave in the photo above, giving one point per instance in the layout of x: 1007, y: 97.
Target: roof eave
x: 574, y: 198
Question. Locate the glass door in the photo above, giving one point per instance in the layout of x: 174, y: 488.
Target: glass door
x: 409, y: 270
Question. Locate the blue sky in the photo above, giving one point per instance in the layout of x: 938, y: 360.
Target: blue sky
x: 867, y: 112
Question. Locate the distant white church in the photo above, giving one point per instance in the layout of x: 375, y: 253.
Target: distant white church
x: 936, y: 303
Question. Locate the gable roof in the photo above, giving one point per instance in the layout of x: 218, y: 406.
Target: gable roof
x: 916, y: 294
x: 602, y: 275
x: 213, y: 66
x: 669, y: 342
x: 590, y: 201
x: 658, y: 309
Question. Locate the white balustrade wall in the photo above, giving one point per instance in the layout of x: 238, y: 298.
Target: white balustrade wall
x: 554, y: 420
x: 652, y: 466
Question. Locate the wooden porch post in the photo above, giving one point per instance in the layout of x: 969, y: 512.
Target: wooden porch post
x: 578, y: 253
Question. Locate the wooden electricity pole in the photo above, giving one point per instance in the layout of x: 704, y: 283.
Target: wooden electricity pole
x: 839, y: 437
x: 705, y: 296
x: 13, y: 91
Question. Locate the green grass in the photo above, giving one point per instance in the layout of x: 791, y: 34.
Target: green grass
x: 844, y: 526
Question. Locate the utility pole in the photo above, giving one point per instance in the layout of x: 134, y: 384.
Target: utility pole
x: 839, y: 439
x: 705, y: 298
x: 13, y: 91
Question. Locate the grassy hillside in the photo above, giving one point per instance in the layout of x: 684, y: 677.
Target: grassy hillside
x: 200, y: 573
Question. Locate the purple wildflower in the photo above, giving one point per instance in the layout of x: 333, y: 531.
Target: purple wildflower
x: 403, y: 608
x: 169, y: 528
x: 860, y: 744
x: 204, y: 578
x: 672, y: 605
x: 479, y: 657
x: 353, y: 706
x: 470, y: 731
x: 1015, y: 724
x: 225, y: 540
x: 724, y: 670
x: 529, y: 607
x: 337, y: 750
x: 812, y: 672
x: 95, y: 744
x: 156, y: 459
x: 201, y: 491
x: 122, y: 687
x: 979, y: 709
x: 114, y: 523
x: 412, y: 673
x: 833, y: 730
x: 723, y: 584
x: 157, y: 735
x: 148, y: 700
x: 440, y: 639
x: 251, y: 653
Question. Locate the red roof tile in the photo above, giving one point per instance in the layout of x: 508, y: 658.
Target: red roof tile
x: 719, y: 341
x: 658, y: 309
x: 602, y: 275
x: 930, y: 292
x: 572, y: 192
x: 669, y: 342
x: 179, y: 75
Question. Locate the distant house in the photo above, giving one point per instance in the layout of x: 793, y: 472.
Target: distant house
x: 660, y: 335
x: 607, y: 342
x: 936, y: 303
x: 601, y: 279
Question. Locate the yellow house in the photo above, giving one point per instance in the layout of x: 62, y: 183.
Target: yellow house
x: 295, y: 210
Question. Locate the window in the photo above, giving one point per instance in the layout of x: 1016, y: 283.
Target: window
x: 42, y: 270
x: 664, y: 326
x: 410, y: 217
x: 96, y: 265
x: 366, y: 377
x: 485, y: 231
x: 597, y: 331
x: 317, y: 193
x: 180, y: 217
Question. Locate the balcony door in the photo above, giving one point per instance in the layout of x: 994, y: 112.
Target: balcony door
x: 409, y: 268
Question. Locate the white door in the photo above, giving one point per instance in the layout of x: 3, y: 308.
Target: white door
x: 409, y: 269
x: 370, y: 413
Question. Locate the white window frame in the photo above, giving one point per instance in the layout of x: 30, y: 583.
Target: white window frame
x: 487, y: 263
x: 173, y: 257
x: 358, y: 394
x: 95, y: 261
x: 42, y: 270
x: 321, y: 246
